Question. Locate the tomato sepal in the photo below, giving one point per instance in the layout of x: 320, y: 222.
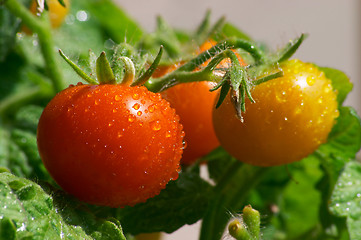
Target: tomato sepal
x: 105, y: 73
x: 148, y: 74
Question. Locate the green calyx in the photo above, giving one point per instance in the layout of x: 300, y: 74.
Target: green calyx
x: 126, y: 70
x: 235, y: 78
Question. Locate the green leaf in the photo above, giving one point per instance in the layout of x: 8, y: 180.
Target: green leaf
x: 218, y: 161
x: 343, y: 143
x: 26, y: 142
x: 299, y: 213
x: 9, y: 26
x: 346, y: 198
x: 116, y: 23
x: 340, y: 82
x: 27, y: 117
x: 184, y: 201
x: 30, y: 212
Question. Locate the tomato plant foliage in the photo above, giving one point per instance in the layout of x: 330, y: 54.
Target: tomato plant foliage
x: 316, y: 198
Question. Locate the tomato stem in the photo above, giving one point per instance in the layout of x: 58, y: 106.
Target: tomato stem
x: 229, y: 196
x: 249, y: 47
x: 41, y: 26
x: 267, y: 78
x: 176, y: 77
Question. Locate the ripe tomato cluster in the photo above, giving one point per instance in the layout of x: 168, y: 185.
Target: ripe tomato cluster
x: 116, y: 145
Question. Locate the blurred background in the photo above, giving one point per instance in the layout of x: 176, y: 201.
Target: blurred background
x: 334, y: 29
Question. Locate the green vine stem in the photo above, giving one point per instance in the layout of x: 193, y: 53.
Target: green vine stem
x: 176, y: 77
x: 229, y: 196
x: 249, y: 47
x: 41, y: 26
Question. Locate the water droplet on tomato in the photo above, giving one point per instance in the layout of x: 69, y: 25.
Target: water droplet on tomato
x: 135, y: 96
x: 139, y: 113
x: 136, y: 106
x: 151, y: 108
x: 168, y: 134
x: 184, y: 144
x: 310, y: 80
x: 161, y: 150
x: 131, y: 118
x: 155, y: 125
x: 117, y: 98
x: 174, y: 176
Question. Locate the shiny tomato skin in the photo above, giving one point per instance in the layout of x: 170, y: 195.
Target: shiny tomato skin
x: 110, y: 145
x: 290, y: 118
x: 194, y: 103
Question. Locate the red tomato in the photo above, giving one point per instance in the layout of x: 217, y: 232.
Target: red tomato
x: 194, y: 103
x: 110, y: 145
x: 290, y: 118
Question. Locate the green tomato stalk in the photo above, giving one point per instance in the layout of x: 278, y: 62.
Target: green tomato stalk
x: 40, y: 26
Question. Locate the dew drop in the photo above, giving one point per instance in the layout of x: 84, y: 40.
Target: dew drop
x: 135, y: 96
x: 139, y: 113
x: 184, y: 144
x: 131, y: 118
x: 174, y: 176
x: 168, y: 134
x: 151, y: 108
x: 136, y: 106
x: 117, y: 98
x: 310, y: 80
x: 155, y: 125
